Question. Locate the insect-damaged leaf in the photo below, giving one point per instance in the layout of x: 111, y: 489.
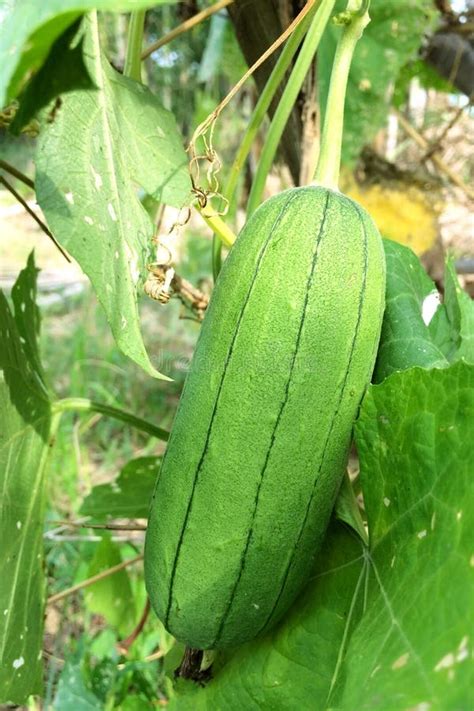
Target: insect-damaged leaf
x: 102, y: 145
x: 25, y: 431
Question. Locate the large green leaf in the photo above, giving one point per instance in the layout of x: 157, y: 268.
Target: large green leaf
x: 394, y: 35
x: 101, y: 146
x: 411, y: 300
x: 410, y: 649
x: 30, y: 27
x: 384, y: 628
x: 129, y: 496
x: 25, y: 431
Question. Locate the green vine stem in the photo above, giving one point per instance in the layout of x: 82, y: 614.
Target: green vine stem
x: 256, y: 120
x: 216, y: 256
x: 79, y: 404
x: 264, y: 101
x: 217, y: 225
x: 285, y: 106
x: 355, y: 20
x: 133, y: 60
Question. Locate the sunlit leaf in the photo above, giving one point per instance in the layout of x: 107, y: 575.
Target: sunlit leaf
x: 101, y: 146
x: 112, y: 596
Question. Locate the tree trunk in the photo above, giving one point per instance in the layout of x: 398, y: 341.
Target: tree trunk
x: 257, y: 24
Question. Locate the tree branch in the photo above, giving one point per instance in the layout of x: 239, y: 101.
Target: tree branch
x: 438, y: 162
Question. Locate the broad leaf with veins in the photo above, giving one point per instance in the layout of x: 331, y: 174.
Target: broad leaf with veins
x: 25, y: 431
x: 102, y: 145
x: 383, y: 628
x: 411, y: 299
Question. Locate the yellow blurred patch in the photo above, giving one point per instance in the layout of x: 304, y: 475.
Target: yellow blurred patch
x: 402, y: 212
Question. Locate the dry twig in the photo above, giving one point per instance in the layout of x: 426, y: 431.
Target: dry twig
x: 105, y: 526
x: 94, y: 579
x: 186, y: 26
x: 437, y: 161
x: 35, y: 217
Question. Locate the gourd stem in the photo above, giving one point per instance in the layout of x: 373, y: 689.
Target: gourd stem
x: 287, y: 101
x: 133, y: 65
x: 79, y: 404
x: 327, y: 171
x: 217, y: 224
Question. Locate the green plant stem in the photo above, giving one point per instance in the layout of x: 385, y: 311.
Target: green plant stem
x: 256, y: 120
x: 287, y: 101
x: 133, y: 61
x: 263, y: 103
x: 79, y: 404
x: 327, y: 171
x: 216, y: 256
x: 217, y: 224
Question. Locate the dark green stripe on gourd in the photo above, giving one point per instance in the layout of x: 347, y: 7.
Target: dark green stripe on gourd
x: 259, y: 443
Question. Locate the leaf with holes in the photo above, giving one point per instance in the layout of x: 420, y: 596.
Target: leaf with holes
x: 30, y: 28
x: 385, y: 627
x: 25, y: 432
x: 129, y: 495
x: 411, y: 300
x: 102, y: 145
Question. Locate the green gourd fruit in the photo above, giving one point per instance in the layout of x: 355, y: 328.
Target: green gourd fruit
x: 260, y: 440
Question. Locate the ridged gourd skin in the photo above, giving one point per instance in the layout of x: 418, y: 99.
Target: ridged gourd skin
x: 260, y: 439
